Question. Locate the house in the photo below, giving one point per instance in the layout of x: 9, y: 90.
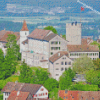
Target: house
x: 58, y: 63
x: 35, y: 59
x: 79, y: 95
x: 78, y: 46
x: 40, y: 41
x: 25, y: 90
x: 3, y: 39
x: 75, y: 51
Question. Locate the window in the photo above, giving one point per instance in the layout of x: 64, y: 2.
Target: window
x: 62, y: 63
x: 64, y: 97
x: 51, y: 53
x: 59, y: 42
x: 25, y: 33
x: 65, y: 68
x: 51, y: 48
x: 57, y: 74
x: 5, y: 99
x: 57, y: 63
x: 42, y: 57
x: 69, y: 63
x: 92, y: 98
x: 66, y: 91
x: 42, y: 89
x: 57, y: 68
x: 52, y: 42
x: 56, y: 42
x: 62, y: 69
x: 81, y: 98
x: 59, y: 48
x: 65, y: 63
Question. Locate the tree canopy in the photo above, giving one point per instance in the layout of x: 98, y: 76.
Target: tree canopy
x: 25, y: 73
x: 40, y: 76
x: 97, y: 63
x: 66, y: 79
x: 51, y: 83
x: 51, y: 28
x: 83, y: 64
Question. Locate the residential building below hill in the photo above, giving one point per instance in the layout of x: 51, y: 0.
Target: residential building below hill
x: 24, y: 91
x: 79, y: 95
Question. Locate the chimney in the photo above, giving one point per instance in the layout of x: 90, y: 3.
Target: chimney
x: 16, y: 81
x: 18, y: 93
x: 58, y: 54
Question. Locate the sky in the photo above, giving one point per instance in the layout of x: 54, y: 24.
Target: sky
x: 46, y: 6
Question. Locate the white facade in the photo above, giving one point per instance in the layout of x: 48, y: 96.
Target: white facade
x: 38, y: 46
x: 23, y: 37
x: 73, y: 33
x: 5, y: 95
x: 41, y: 93
x: 59, y: 66
x: 92, y: 55
x: 57, y: 44
x: 34, y: 59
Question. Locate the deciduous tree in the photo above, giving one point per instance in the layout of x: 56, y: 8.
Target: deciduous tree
x: 25, y: 73
x: 83, y: 64
x: 51, y: 28
x: 51, y: 83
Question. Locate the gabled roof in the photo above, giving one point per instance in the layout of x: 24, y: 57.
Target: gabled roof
x: 32, y: 88
x: 82, y: 48
x: 24, y: 27
x: 86, y: 41
x: 22, y: 95
x: 39, y: 34
x: 50, y: 36
x: 24, y: 87
x: 11, y: 86
x: 58, y: 55
x: 4, y: 35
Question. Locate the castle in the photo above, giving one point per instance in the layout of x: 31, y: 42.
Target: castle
x: 48, y: 50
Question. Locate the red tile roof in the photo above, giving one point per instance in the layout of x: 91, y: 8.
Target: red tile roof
x: 31, y: 88
x: 89, y: 95
x: 69, y: 95
x: 86, y: 41
x: 22, y: 95
x: 82, y: 48
x: 24, y: 27
x: 4, y: 35
x: 58, y: 55
x: 79, y: 95
x: 39, y: 34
